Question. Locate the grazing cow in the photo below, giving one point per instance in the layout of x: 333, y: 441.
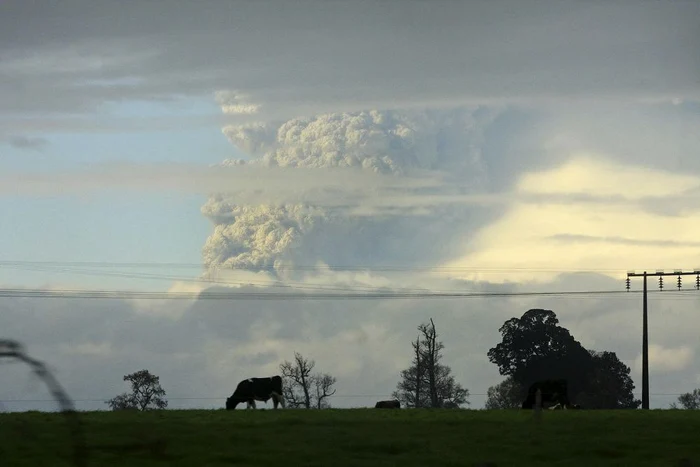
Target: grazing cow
x: 256, y: 389
x: 554, y: 391
x: 388, y: 404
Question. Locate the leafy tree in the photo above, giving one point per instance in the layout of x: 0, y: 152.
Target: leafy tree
x: 427, y: 382
x: 122, y: 402
x: 302, y: 388
x: 689, y: 400
x: 505, y: 395
x: 609, y: 385
x: 535, y: 347
x: 146, y: 393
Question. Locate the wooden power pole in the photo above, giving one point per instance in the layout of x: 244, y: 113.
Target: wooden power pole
x: 645, y: 320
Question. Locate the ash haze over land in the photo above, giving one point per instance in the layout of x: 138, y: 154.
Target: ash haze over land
x: 347, y: 147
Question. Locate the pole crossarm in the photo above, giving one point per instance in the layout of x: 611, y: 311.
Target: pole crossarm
x: 662, y: 273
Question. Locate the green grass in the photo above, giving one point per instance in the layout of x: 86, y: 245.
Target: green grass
x: 358, y: 437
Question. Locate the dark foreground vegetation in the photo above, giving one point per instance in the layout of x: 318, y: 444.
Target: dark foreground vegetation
x: 358, y: 437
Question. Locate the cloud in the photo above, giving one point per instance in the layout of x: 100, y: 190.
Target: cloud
x: 667, y: 359
x: 571, y: 238
x: 591, y: 173
x: 652, y: 137
x: 27, y: 142
x: 531, y: 235
x: 232, y: 103
x: 247, y: 183
x: 313, y: 58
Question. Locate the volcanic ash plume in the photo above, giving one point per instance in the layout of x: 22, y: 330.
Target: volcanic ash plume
x: 387, y: 142
x: 255, y: 237
x: 253, y: 138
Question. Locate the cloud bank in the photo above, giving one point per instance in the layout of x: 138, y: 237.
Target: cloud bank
x: 275, y: 61
x: 601, y: 236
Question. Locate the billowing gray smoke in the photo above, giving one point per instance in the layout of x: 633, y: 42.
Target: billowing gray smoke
x: 389, y: 142
x: 254, y: 237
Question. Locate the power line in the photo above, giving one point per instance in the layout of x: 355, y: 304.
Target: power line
x: 300, y: 267
x: 48, y: 266
x: 142, y: 295
x: 58, y: 266
x: 286, y: 284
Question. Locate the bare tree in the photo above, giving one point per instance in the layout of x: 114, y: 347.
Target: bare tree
x: 301, y: 387
x: 427, y: 382
x: 296, y: 378
x: 431, y: 357
x: 324, y: 389
x: 410, y: 387
x: 419, y: 372
x: 146, y: 393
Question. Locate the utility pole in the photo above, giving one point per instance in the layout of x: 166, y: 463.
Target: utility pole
x: 645, y: 321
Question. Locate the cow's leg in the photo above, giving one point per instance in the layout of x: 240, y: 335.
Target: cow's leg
x: 277, y: 399
x: 252, y: 403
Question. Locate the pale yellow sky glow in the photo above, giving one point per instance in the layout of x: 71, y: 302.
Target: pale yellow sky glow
x: 585, y: 235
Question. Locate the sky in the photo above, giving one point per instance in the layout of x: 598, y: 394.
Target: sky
x: 524, y: 146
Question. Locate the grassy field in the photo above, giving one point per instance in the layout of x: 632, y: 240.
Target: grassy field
x: 358, y: 437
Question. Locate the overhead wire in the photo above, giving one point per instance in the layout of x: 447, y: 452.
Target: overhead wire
x: 59, y: 266
x: 331, y: 291
x: 302, y: 267
x: 285, y: 284
x: 234, y: 295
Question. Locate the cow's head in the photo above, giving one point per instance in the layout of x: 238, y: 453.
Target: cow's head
x: 232, y: 402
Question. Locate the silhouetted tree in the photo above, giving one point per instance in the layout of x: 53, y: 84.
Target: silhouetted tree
x: 534, y: 347
x: 410, y: 389
x: 146, y: 393
x: 609, y: 385
x: 689, y: 401
x: 323, y: 385
x: 301, y: 388
x: 505, y: 395
x: 427, y: 382
x: 122, y: 402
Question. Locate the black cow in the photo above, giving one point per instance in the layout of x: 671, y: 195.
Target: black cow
x: 554, y: 391
x: 388, y: 404
x: 256, y: 389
